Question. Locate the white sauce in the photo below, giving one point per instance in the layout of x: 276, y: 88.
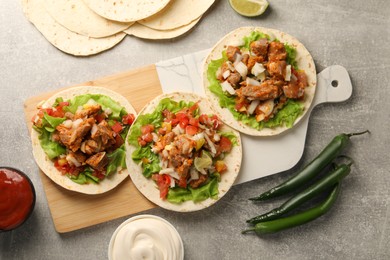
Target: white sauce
x: 146, y: 237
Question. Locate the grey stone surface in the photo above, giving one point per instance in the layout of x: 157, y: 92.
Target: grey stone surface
x: 354, y: 34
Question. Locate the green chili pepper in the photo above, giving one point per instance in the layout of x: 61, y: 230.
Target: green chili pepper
x: 318, y: 187
x: 329, y: 153
x: 298, y: 219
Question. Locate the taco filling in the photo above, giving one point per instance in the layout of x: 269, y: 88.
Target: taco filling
x: 84, y: 137
x: 182, y: 150
x: 259, y: 82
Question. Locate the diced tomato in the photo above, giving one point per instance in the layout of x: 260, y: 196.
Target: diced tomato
x: 148, y: 137
x: 163, y: 182
x: 147, y: 129
x: 203, y: 119
x: 220, y: 166
x: 182, y: 182
x: 181, y: 115
x: 99, y: 117
x: 63, y: 166
x: 128, y: 119
x: 184, y: 122
x: 118, y: 141
x: 58, y: 112
x: 194, y: 121
x: 225, y: 145
x: 49, y: 111
x: 99, y: 174
x: 216, y: 123
x: 117, y: 127
x: 141, y: 142
x: 191, y: 130
x: 192, y: 109
x: 174, y: 121
x: 63, y: 104
x: 183, y: 119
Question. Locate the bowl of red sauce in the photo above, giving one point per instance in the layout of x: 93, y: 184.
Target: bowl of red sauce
x: 17, y: 198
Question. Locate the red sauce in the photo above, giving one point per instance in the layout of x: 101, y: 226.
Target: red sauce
x: 17, y: 198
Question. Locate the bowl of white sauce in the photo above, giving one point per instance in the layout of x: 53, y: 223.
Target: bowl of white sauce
x: 146, y: 237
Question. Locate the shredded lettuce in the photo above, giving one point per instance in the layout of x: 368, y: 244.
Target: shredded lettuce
x: 116, y: 159
x: 254, y: 36
x: 84, y: 177
x: 285, y: 117
x: 106, y: 102
x: 52, y: 149
x: 210, y: 190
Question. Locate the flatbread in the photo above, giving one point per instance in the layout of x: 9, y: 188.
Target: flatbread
x: 148, y: 187
x: 126, y: 10
x: 177, y: 13
x: 62, y: 38
x: 304, y: 60
x: 144, y: 32
x: 77, y: 17
x: 47, y: 166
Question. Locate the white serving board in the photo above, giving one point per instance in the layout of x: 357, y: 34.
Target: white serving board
x: 262, y: 156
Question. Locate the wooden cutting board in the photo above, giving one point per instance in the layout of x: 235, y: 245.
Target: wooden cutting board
x: 72, y: 210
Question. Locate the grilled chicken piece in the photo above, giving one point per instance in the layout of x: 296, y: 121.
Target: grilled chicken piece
x: 234, y: 78
x: 252, y: 61
x: 91, y: 146
x: 231, y: 53
x: 196, y: 183
x: 98, y: 161
x: 88, y: 111
x: 104, y: 134
x: 277, y: 68
x: 184, y: 169
x: 72, y: 138
x: 276, y: 51
x: 268, y: 89
x: 296, y: 86
x: 259, y: 47
x: 76, y: 158
x: 245, y: 59
x: 184, y: 144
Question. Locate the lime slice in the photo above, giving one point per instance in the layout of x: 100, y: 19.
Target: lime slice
x: 249, y: 8
x: 203, y: 162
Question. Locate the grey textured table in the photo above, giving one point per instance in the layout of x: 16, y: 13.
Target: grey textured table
x: 354, y: 34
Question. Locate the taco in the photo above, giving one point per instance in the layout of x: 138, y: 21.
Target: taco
x: 262, y: 81
x: 180, y: 155
x: 78, y: 138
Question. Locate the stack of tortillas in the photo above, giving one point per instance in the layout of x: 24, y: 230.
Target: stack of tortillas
x: 86, y: 27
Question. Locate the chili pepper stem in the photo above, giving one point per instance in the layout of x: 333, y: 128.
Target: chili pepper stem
x: 358, y: 133
x: 248, y: 230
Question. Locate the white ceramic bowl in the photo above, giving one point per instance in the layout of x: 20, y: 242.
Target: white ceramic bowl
x: 146, y: 235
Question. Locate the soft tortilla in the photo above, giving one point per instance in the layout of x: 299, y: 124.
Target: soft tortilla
x: 77, y: 17
x: 62, y: 38
x: 144, y: 32
x: 177, y: 13
x: 148, y: 187
x: 47, y: 166
x: 126, y: 10
x: 304, y: 60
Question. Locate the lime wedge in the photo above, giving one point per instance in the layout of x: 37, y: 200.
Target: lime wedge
x: 203, y: 162
x: 249, y: 8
